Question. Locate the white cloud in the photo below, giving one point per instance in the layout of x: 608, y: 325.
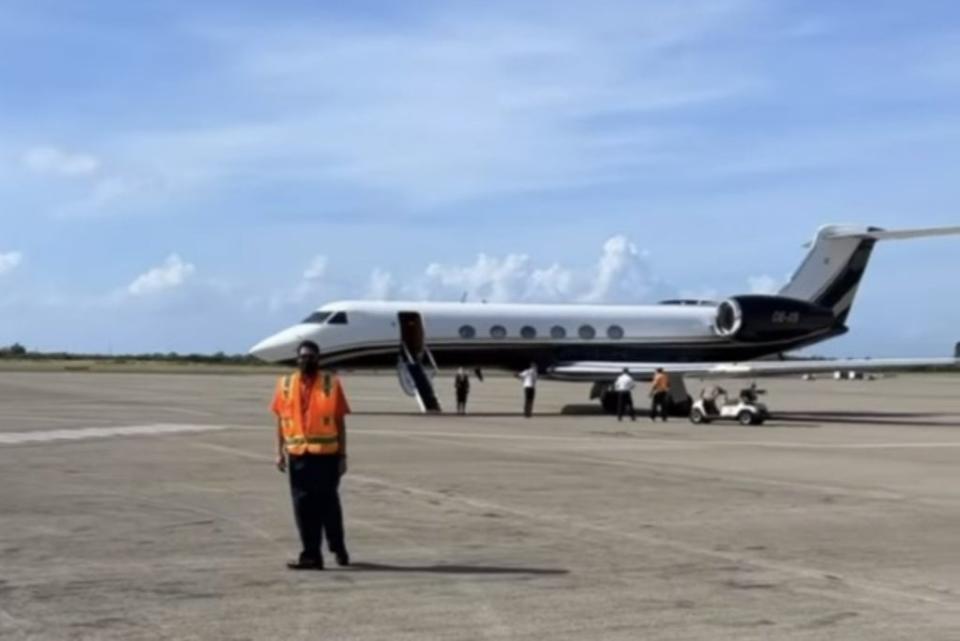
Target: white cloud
x: 381, y: 286
x: 621, y: 275
x: 764, y: 284
x: 553, y: 283
x: 463, y: 103
x: 171, y: 274
x: 489, y: 278
x: 9, y: 261
x: 310, y: 284
x: 51, y: 160
x: 315, y: 270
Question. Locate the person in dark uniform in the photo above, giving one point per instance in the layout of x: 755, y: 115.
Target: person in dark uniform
x: 461, y: 385
x: 312, y: 444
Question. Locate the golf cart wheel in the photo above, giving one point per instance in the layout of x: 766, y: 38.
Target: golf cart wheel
x: 696, y: 416
x: 745, y: 418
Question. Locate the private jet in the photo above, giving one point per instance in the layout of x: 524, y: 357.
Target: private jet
x: 745, y: 335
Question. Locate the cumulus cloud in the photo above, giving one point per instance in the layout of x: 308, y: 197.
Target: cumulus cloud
x: 9, y: 261
x: 55, y: 161
x: 763, y: 284
x: 621, y: 275
x: 488, y: 278
x: 170, y: 275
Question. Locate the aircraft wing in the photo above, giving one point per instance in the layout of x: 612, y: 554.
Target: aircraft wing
x: 603, y: 370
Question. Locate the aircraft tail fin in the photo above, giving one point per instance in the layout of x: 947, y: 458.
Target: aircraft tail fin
x: 831, y: 272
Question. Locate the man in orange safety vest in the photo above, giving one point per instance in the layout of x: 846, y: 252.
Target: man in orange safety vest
x: 312, y: 442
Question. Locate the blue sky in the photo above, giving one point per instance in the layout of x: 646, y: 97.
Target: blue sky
x: 192, y: 176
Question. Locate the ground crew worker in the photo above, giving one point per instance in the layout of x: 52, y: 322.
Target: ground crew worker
x: 312, y: 442
x: 461, y: 385
x: 623, y: 387
x: 659, y: 392
x: 529, y: 378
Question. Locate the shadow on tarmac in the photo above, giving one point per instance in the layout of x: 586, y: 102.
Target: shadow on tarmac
x: 453, y: 569
x: 919, y: 419
x: 445, y: 414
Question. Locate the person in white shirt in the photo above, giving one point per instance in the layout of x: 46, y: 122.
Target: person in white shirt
x: 529, y: 378
x: 623, y: 387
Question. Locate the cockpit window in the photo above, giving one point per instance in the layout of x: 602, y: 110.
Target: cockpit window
x: 340, y: 318
x: 316, y: 317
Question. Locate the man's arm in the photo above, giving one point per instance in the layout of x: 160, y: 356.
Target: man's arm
x: 281, y: 451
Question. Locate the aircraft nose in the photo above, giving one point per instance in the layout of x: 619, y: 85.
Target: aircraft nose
x: 282, y: 346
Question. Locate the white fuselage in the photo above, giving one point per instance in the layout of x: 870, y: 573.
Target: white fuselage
x: 354, y: 334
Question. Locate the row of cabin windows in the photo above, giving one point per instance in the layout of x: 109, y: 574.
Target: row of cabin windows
x: 556, y: 332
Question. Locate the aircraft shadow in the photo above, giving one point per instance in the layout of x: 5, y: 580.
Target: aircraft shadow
x: 919, y: 419
x: 454, y: 569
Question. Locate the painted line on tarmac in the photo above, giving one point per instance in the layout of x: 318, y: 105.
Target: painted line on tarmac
x: 46, y: 436
x: 651, y: 443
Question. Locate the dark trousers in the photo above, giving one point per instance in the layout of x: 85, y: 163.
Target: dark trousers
x: 314, y: 486
x: 528, y: 394
x: 659, y: 406
x: 461, y: 403
x: 625, y: 403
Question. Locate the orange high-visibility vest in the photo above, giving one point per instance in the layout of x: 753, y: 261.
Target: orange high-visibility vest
x: 310, y: 430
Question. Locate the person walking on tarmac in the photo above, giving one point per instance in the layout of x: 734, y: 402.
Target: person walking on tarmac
x: 659, y: 392
x: 623, y: 387
x: 312, y: 444
x: 529, y: 378
x: 461, y: 385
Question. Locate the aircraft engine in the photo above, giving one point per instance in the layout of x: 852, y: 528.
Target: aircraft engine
x: 756, y: 318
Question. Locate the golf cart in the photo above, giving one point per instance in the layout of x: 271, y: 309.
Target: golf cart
x: 717, y: 405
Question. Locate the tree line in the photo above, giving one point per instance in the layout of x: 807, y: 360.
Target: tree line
x: 18, y: 351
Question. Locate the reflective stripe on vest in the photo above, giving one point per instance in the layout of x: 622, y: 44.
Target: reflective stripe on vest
x: 292, y: 419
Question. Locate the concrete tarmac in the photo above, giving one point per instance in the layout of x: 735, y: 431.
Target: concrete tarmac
x: 143, y: 507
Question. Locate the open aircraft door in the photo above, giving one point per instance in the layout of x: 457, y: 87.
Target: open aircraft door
x: 414, y: 360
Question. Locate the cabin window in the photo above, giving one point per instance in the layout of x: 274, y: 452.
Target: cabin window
x: 528, y: 332
x: 498, y: 331
x: 587, y: 332
x: 317, y: 317
x: 558, y: 332
x: 467, y: 331
x: 615, y: 332
x: 340, y: 318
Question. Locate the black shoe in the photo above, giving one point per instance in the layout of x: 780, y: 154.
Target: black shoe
x: 305, y: 563
x: 342, y: 557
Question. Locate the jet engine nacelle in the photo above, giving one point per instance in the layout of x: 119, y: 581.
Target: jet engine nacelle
x: 756, y: 317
